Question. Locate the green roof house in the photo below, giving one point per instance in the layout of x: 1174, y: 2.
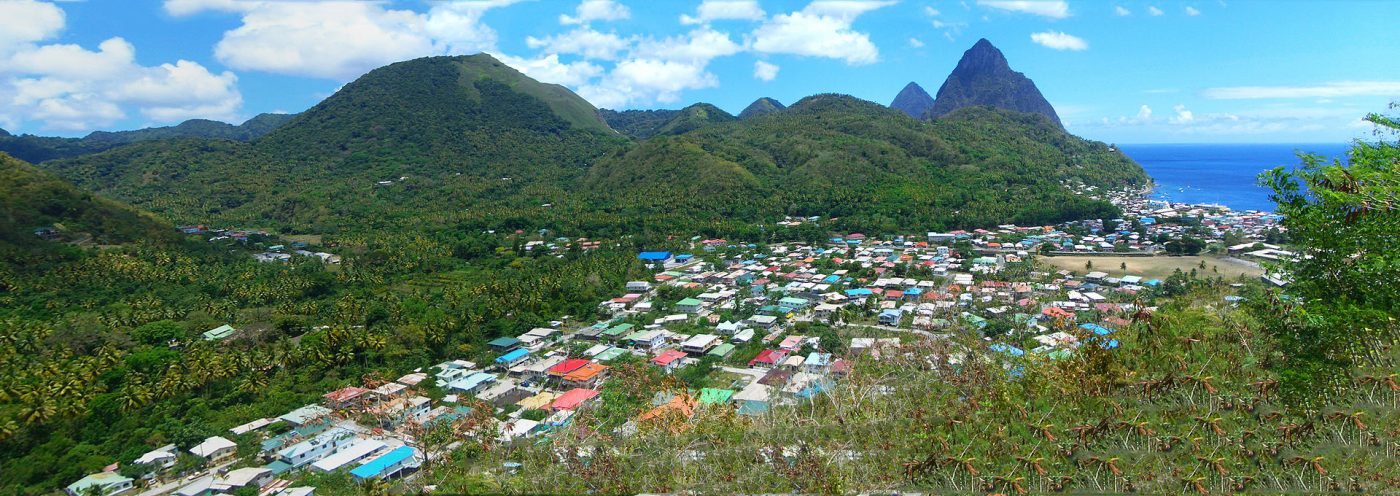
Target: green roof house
x: 722, y: 351
x: 218, y: 333
x: 711, y: 396
x: 688, y: 305
x: 100, y: 483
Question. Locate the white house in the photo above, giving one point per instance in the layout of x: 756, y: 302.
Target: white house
x: 214, y: 449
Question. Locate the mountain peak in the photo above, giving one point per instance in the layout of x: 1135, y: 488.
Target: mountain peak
x: 912, y: 100
x: 984, y: 77
x: 761, y: 106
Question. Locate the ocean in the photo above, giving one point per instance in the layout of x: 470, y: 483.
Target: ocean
x: 1226, y: 174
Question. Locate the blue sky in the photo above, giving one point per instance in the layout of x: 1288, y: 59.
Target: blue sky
x: 1119, y: 71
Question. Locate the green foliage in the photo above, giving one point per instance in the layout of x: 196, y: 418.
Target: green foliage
x: 33, y: 199
x: 1344, y: 295
x: 875, y: 169
x: 35, y: 149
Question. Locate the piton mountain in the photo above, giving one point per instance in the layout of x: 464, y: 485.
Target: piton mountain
x: 912, y: 100
x: 984, y: 77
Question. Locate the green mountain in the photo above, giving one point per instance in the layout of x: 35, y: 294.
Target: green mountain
x: 421, y: 140
x: 638, y: 124
x: 443, y: 141
x: 694, y: 117
x: 984, y: 77
x: 39, y: 210
x: 37, y: 149
x: 761, y: 106
x: 872, y: 166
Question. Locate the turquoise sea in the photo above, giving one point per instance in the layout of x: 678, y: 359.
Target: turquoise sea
x: 1226, y: 174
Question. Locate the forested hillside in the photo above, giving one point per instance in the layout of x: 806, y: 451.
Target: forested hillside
x: 37, y: 149
x: 873, y: 167
x: 41, y: 214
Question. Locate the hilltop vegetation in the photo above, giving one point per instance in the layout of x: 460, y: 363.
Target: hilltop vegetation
x: 37, y: 149
x: 873, y: 167
x: 33, y: 200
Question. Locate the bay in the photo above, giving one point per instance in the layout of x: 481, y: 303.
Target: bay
x: 1225, y: 174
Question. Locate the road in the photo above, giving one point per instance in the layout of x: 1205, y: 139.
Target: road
x: 170, y: 487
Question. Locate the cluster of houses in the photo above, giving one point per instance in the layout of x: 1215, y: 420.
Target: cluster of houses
x: 736, y: 297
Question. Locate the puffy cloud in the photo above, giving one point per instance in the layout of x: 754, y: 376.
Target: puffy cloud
x: 822, y: 29
x: 1192, y: 11
x: 658, y: 70
x: 1183, y: 116
x: 715, y: 10
x: 1121, y: 11
x: 548, y: 69
x: 342, y: 39
x: 764, y: 71
x: 1054, y: 9
x: 596, y: 10
x: 916, y: 43
x: 1060, y: 41
x: 66, y: 87
x: 699, y: 45
x: 930, y: 11
x: 338, y: 40
x: 582, y: 41
x: 1154, y: 11
x: 1144, y: 113
x: 27, y: 21
x: 1324, y: 90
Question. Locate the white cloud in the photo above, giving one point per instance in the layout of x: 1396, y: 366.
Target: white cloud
x: 548, y: 69
x: 596, y: 10
x: 27, y: 21
x: 1183, y: 116
x: 1325, y: 90
x: 930, y: 11
x: 822, y: 29
x: 916, y: 43
x: 1121, y: 11
x: 716, y: 10
x: 1154, y: 11
x: 1054, y: 9
x: 582, y: 41
x: 69, y: 88
x: 342, y: 39
x: 1060, y: 41
x: 698, y: 46
x: 1144, y: 113
x: 326, y: 40
x: 764, y: 71
x: 658, y: 70
x: 1192, y: 11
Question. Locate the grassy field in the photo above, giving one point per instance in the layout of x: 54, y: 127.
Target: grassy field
x: 1155, y: 267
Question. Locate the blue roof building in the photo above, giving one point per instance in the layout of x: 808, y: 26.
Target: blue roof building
x: 388, y: 464
x: 513, y: 357
x: 655, y: 256
x: 1007, y: 349
x: 1098, y: 329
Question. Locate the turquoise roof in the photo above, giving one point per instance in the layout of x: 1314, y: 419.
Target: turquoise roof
x: 374, y: 467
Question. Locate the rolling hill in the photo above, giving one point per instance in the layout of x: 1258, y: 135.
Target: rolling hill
x: 427, y: 136
x: 35, y: 203
x: 443, y: 141
x: 35, y: 149
x: 839, y: 156
x: 761, y: 106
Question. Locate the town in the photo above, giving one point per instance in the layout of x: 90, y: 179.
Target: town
x: 744, y: 326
